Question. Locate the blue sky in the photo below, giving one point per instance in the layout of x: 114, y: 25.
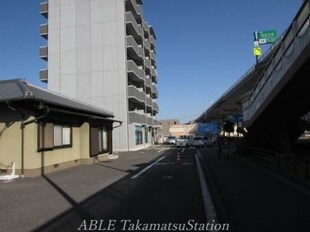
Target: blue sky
x: 203, y: 46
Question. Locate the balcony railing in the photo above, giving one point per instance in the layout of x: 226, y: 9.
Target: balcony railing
x: 148, y: 64
x: 149, y: 102
x: 44, y: 75
x: 146, y: 29
x: 44, y: 53
x: 44, y: 9
x: 133, y: 28
x: 152, y: 41
x: 153, y: 74
x: 154, y: 91
x: 148, y: 82
x: 134, y: 72
x: 133, y: 92
x: 156, y: 123
x: 137, y: 118
x: 153, y: 56
x: 44, y: 30
x: 147, y: 44
x: 155, y: 107
x: 150, y: 121
x: 135, y: 9
x: 133, y: 49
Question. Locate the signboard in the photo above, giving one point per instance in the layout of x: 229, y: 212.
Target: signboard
x: 267, y: 37
x: 211, y: 127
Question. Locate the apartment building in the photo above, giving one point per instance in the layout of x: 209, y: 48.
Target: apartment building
x: 103, y: 52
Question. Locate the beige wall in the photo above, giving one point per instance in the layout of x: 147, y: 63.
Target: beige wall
x: 177, y: 130
x: 79, y: 150
x: 10, y: 144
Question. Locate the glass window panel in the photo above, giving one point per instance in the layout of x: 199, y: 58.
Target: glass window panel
x: 104, y: 138
x: 139, y: 134
x: 57, y: 135
x: 66, y: 135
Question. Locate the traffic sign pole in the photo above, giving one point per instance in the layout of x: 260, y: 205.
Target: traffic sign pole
x: 256, y: 44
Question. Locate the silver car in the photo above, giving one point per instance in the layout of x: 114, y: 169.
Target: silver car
x: 171, y: 140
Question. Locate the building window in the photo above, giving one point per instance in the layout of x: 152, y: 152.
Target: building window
x: 139, y: 138
x: 52, y: 136
x: 99, y: 140
x: 62, y: 135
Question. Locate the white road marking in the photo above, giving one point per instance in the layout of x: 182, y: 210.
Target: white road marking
x: 148, y: 167
x: 173, y: 163
x: 206, y: 196
x: 163, y: 149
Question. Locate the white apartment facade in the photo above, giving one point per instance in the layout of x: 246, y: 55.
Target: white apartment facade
x: 103, y: 52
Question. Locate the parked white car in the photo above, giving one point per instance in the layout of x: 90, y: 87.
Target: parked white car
x: 185, y: 140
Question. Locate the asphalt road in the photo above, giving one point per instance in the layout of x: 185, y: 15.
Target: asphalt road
x: 113, y: 195
x: 254, y: 199
x: 155, y: 186
x: 166, y: 192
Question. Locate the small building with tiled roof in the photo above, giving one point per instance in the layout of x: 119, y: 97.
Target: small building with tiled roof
x: 42, y: 131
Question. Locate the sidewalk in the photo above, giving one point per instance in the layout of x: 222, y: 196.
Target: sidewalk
x: 29, y: 203
x: 252, y: 199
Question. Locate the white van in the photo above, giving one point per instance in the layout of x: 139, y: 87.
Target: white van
x: 185, y: 140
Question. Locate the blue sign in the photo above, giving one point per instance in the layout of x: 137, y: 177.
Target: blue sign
x: 212, y: 127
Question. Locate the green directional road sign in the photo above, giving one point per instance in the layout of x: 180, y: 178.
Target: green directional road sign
x: 267, y: 37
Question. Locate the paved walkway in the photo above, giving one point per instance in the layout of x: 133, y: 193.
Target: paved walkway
x: 252, y: 199
x: 30, y: 202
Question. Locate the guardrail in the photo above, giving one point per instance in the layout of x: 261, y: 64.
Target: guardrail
x: 263, y: 153
x: 276, y: 157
